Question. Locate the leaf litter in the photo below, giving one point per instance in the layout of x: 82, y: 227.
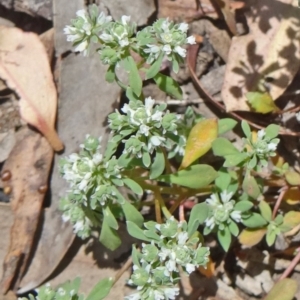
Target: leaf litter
x: 265, y: 61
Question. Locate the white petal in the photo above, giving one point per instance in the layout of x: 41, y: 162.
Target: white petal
x: 125, y: 19
x: 167, y: 49
x: 82, y: 46
x: 183, y: 27
x: 181, y: 51
x: 260, y: 134
x: 191, y: 40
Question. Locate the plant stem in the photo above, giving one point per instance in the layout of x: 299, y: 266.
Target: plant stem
x: 278, y: 201
x: 123, y: 269
x: 291, y: 267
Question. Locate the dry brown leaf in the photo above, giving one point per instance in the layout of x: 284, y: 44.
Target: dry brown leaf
x: 185, y: 9
x: 28, y: 167
x: 269, y: 55
x: 25, y: 67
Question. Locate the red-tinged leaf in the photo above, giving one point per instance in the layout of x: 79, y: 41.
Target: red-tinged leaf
x: 25, y: 67
x: 284, y: 289
x: 199, y: 141
x: 250, y: 237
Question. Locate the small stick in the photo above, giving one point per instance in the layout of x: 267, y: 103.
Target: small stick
x: 278, y: 201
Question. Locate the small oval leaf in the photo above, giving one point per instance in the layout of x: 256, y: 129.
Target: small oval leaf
x: 199, y: 141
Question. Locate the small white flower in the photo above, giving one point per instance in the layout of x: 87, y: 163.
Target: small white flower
x: 210, y: 222
x: 261, y: 133
x: 124, y: 42
x: 298, y: 116
x: 225, y: 196
x: 167, y: 49
x: 181, y: 51
x: 149, y: 102
x: 125, y: 19
x: 152, y: 49
x: 236, y: 216
x: 191, y: 40
x: 171, y: 292
x: 106, y: 37
x: 102, y: 19
x: 156, y: 140
x: 190, y: 268
x: 82, y: 47
x: 213, y: 200
x: 183, y: 27
x: 82, y: 14
x: 165, y: 25
x: 97, y: 158
x: 144, y: 130
x: 135, y: 296
x: 65, y: 217
x: 78, y: 226
x: 272, y: 147
x: 182, y: 237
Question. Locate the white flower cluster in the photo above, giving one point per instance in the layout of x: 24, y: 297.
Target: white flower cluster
x: 221, y: 211
x: 150, y: 126
x: 86, y: 28
x: 264, y: 146
x: 156, y: 273
x: 92, y: 183
x: 169, y: 38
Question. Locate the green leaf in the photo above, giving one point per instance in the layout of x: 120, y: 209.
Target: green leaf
x: 272, y: 131
x: 250, y: 186
x: 158, y: 165
x: 271, y: 237
x: 199, y: 140
x: 261, y: 102
x: 254, y: 221
x: 284, y: 289
x: 252, y: 163
x: 124, y: 160
x: 225, y: 125
x: 101, y: 289
x: 132, y: 214
x: 135, y: 80
x: 224, y: 237
x: 135, y: 256
x: 246, y: 129
x: 265, y: 210
x: 292, y: 177
x: 233, y: 160
x: 199, y: 214
x: 131, y: 95
x: 110, y: 75
x: 195, y: 177
x: 146, y: 159
x: 243, y: 206
x: 109, y: 218
x: 134, y: 186
x: 109, y: 237
x: 223, y: 147
x: 223, y: 180
x: 136, y: 231
x: 168, y: 85
x: 234, y: 229
x: 155, y: 67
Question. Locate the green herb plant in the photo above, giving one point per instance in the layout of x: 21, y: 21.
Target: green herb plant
x: 161, y: 152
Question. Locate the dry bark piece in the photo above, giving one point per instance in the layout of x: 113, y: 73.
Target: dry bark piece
x: 29, y: 164
x: 185, y: 9
x: 269, y: 55
x: 25, y: 67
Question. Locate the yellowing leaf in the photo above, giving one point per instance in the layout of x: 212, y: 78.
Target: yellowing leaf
x: 250, y: 237
x: 292, y: 177
x: 25, y: 67
x: 209, y: 271
x: 199, y: 141
x: 292, y: 196
x: 284, y: 289
x: 261, y: 102
x: 291, y: 218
